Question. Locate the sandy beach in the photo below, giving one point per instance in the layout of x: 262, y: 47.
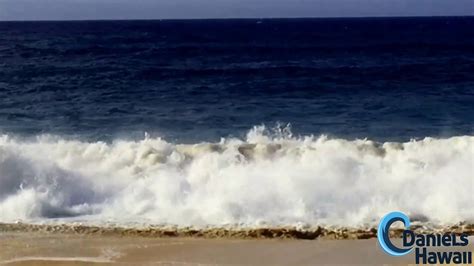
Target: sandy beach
x: 28, y: 244
x: 66, y: 249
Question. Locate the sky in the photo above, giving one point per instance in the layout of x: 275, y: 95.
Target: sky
x: 178, y: 9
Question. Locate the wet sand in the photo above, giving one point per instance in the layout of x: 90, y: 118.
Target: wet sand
x: 68, y: 249
x: 26, y: 244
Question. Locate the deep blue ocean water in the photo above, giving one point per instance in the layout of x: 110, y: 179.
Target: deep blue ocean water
x: 193, y: 80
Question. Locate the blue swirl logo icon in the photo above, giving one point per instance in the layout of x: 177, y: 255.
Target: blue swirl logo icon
x: 383, y: 234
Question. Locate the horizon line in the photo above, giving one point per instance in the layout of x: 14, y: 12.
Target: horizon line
x: 235, y: 18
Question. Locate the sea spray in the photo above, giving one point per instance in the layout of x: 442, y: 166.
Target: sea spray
x: 263, y: 180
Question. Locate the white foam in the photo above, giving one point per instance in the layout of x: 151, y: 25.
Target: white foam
x: 266, y: 179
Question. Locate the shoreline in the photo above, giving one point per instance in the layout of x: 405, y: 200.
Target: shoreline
x: 67, y: 249
x: 318, y: 232
x: 25, y: 248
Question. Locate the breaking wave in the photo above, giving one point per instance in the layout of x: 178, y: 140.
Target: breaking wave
x: 269, y: 178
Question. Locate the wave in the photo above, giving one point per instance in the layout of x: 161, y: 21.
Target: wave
x: 267, y: 179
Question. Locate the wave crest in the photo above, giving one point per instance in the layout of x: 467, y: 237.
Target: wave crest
x: 266, y: 179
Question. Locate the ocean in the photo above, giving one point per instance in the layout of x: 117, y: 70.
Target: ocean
x: 245, y: 123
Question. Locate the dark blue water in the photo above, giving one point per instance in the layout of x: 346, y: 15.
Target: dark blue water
x: 385, y: 79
